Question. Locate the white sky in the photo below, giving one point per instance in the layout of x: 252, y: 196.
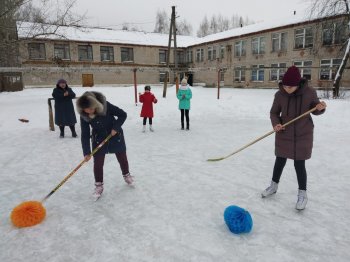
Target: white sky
x: 142, y: 12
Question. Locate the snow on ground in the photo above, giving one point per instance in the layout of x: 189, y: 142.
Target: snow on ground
x: 175, y: 213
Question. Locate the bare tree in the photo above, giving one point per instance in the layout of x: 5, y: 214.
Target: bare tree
x: 203, y: 27
x: 32, y: 22
x: 162, y: 22
x: 330, y: 8
x: 184, y: 28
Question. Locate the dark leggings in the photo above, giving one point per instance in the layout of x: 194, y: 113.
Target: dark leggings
x: 72, y: 128
x: 185, y: 112
x: 99, y: 162
x: 145, y: 120
x: 299, y: 168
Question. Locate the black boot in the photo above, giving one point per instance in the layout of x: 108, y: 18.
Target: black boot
x: 61, y: 131
x: 188, y: 126
x: 72, y: 128
x: 182, y: 126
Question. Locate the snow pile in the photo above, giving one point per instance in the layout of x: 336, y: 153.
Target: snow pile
x: 175, y: 212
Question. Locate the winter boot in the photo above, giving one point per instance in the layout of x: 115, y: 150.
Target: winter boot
x: 61, y: 131
x: 98, y: 189
x: 151, y: 128
x: 182, y: 126
x: 74, y: 134
x: 188, y: 126
x: 128, y: 179
x: 144, y: 129
x: 302, y: 200
x: 272, y: 189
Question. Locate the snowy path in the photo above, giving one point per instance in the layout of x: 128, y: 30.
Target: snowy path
x: 175, y: 213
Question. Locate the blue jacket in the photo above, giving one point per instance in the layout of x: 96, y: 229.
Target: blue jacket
x: 107, y: 117
x: 184, y: 97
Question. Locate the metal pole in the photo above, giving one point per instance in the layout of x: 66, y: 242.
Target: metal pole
x: 135, y: 85
x: 219, y: 72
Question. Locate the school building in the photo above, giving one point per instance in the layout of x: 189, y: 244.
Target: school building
x: 256, y: 55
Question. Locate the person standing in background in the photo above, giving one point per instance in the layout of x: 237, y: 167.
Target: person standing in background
x: 64, y: 109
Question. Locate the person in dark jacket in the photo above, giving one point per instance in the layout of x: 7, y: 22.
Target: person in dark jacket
x: 296, y: 140
x: 64, y: 109
x: 104, y: 119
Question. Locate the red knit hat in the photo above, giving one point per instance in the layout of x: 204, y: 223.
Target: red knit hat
x: 292, y: 77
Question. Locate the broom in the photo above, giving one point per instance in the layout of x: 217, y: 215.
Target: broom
x: 31, y: 213
x: 261, y: 138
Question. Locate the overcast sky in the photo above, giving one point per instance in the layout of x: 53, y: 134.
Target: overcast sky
x: 142, y: 12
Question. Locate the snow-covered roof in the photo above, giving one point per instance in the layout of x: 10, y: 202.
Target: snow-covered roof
x: 255, y: 28
x: 102, y: 35
x: 28, y: 30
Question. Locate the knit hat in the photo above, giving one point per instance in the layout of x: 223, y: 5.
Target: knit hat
x: 291, y: 77
x: 184, y: 81
x: 147, y: 88
x: 60, y: 81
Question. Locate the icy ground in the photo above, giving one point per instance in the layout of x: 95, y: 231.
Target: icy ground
x: 175, y: 213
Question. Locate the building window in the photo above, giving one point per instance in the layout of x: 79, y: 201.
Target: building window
x: 240, y: 48
x: 334, y: 33
x: 200, y: 55
x: 85, y: 53
x: 162, y: 76
x: 127, y: 54
x: 277, y: 71
x: 37, y: 51
x: 305, y: 68
x: 211, y: 53
x: 258, y: 73
x: 222, y: 76
x: 62, y: 51
x: 180, y: 56
x: 222, y: 52
x: 258, y: 45
x: 239, y: 74
x: 279, y: 42
x: 189, y: 56
x: 329, y: 68
x: 163, y: 56
x: 303, y: 38
x: 107, y: 53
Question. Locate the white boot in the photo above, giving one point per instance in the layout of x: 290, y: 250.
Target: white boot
x: 272, y: 189
x: 144, y: 129
x: 98, y: 190
x: 302, y: 200
x: 128, y: 179
x: 151, y: 128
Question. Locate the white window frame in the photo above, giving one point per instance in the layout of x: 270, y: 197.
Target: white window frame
x: 65, y: 48
x: 132, y: 54
x: 303, y: 36
x: 189, y: 56
x: 89, y: 50
x: 42, y: 51
x: 222, y: 52
x: 330, y: 67
x: 303, y: 67
x: 334, y: 28
x: 161, y: 53
x: 261, y: 44
x: 200, y: 55
x: 241, y: 74
x: 280, y: 69
x: 258, y: 69
x: 110, y: 53
x: 279, y: 38
x: 210, y: 53
x: 240, y: 46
